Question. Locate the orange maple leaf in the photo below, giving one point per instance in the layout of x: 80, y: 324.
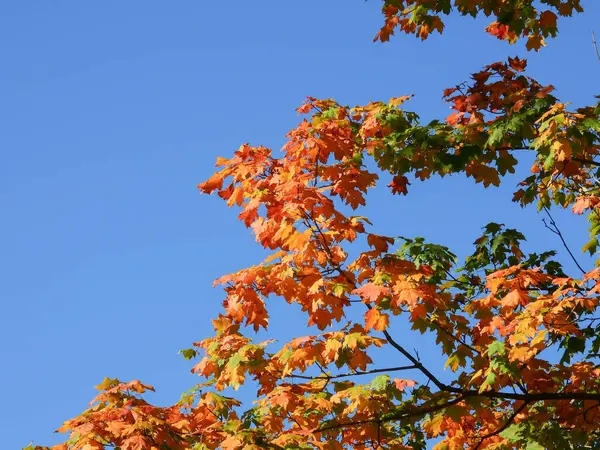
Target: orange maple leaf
x: 371, y: 292
x: 376, y: 320
x: 402, y: 384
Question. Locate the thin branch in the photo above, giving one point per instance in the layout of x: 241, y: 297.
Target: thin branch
x: 580, y: 160
x: 525, y: 396
x: 554, y: 228
x: 351, y: 374
x: 585, y: 413
x: 508, y: 422
x: 419, y: 411
x: 441, y: 386
x: 528, y: 397
x: 453, y: 336
x: 595, y: 45
x: 591, y: 162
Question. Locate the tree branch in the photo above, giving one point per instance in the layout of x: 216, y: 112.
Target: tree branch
x: 452, y: 336
x: 312, y: 222
x: 464, y: 393
x: 527, y: 396
x: 556, y: 231
x: 591, y: 162
x: 508, y: 422
x: 391, y: 417
x: 351, y: 374
x: 441, y: 386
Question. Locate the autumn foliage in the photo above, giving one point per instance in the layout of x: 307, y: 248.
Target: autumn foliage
x: 520, y: 336
x: 512, y: 20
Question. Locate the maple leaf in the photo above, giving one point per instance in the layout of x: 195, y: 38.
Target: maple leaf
x: 371, y: 292
x: 359, y: 360
x: 497, y: 323
x: 562, y: 150
x: 402, y: 384
x: 535, y: 42
x: 135, y: 443
x: 397, y: 101
x: 380, y: 243
x: 418, y: 311
x: 435, y: 425
x: 483, y: 174
x: 514, y: 298
x: 583, y: 203
x: 283, y: 399
x: 374, y: 319
x: 232, y: 442
x: 214, y: 183
x: 501, y: 31
x: 305, y: 108
x: 298, y: 241
x: 107, y: 383
x: 399, y: 185
x: 521, y: 354
x: 454, y: 362
x: 548, y: 19
x: 405, y: 292
x: 517, y: 64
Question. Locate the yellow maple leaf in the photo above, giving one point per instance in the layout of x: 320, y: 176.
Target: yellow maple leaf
x: 397, y: 101
x: 562, y: 149
x: 433, y: 426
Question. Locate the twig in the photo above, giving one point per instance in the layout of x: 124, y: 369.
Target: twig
x: 595, y: 45
x: 556, y: 231
x: 452, y: 336
x: 441, y: 386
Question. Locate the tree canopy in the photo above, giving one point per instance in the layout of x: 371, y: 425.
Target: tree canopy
x: 521, y: 337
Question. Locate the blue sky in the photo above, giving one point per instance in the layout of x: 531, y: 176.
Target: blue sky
x: 112, y: 112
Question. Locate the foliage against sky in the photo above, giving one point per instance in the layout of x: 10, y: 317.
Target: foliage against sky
x: 499, y: 317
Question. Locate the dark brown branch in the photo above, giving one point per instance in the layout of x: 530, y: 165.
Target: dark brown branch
x: 464, y: 394
x: 585, y: 413
x: 527, y: 397
x: 595, y: 45
x: 441, y: 386
x: 391, y: 417
x: 591, y: 162
x: 351, y: 374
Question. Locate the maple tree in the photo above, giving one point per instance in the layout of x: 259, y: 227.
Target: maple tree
x: 521, y: 336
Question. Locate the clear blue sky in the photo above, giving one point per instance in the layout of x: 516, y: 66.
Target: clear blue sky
x: 112, y: 112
